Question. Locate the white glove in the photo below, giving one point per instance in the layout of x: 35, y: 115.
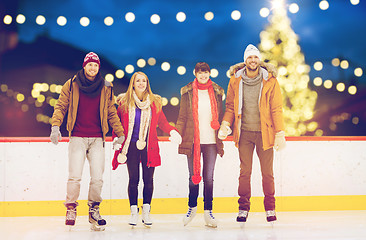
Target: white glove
x: 55, y: 134
x: 117, y: 142
x: 175, y: 137
x: 224, y: 130
x: 280, y: 141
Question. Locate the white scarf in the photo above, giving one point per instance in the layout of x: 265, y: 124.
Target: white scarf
x: 144, y: 126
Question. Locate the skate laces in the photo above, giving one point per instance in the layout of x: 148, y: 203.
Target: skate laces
x: 71, y: 214
x: 271, y: 213
x: 210, y: 214
x: 189, y: 213
x: 243, y: 213
x: 95, y: 213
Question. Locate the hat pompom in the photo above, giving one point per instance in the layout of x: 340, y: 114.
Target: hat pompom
x: 196, y: 179
x: 215, y: 125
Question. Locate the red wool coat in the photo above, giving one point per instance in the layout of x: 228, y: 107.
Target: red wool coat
x: 157, y: 119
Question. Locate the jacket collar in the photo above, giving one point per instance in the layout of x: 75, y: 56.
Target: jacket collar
x: 218, y: 90
x: 266, y: 74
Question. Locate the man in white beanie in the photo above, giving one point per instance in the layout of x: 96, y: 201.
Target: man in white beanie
x: 254, y: 111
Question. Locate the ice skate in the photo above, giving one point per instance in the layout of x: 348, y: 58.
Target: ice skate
x: 242, y: 216
x: 190, y: 215
x: 271, y: 216
x: 210, y: 219
x: 97, y: 222
x: 70, y: 216
x: 146, y: 220
x: 134, y: 215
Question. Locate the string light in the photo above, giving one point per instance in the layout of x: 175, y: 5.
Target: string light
x: 61, y: 21
x: 20, y: 19
x: 40, y: 20
x: 181, y: 17
x: 209, y: 16
x: 165, y: 66
x: 130, y: 17
x: 84, y: 21
x: 155, y: 19
x: 235, y: 15
x: 8, y: 19
x: 324, y: 5
x: 108, y: 21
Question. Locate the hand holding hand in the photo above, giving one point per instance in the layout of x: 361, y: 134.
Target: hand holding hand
x: 224, y: 130
x: 55, y: 134
x: 117, y: 142
x: 175, y: 137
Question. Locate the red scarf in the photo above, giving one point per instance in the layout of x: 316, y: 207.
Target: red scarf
x: 196, y: 178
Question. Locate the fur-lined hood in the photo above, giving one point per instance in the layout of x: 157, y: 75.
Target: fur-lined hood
x: 219, y: 90
x: 269, y: 67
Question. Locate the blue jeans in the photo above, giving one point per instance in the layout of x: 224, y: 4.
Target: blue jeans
x: 209, y: 153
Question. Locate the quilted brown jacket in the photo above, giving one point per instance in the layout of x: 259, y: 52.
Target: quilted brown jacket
x: 185, y: 124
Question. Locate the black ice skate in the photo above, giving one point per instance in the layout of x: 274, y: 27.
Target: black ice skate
x: 97, y: 222
x: 70, y: 214
x: 271, y: 216
x: 242, y: 216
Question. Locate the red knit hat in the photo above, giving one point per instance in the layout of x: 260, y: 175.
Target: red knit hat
x: 91, y: 57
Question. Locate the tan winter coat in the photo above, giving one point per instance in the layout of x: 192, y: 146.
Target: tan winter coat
x: 185, y: 124
x: 270, y: 108
x: 68, y: 102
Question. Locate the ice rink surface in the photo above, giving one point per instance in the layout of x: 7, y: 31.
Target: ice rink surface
x: 335, y: 225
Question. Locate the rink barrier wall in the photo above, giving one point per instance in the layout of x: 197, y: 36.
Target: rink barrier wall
x: 311, y: 174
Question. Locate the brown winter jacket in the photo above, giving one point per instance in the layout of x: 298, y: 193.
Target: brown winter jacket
x: 68, y: 102
x: 270, y: 108
x: 185, y: 124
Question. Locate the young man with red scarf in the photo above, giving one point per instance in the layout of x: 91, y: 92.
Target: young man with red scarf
x: 198, y: 123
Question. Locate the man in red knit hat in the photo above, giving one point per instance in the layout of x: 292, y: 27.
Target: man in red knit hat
x: 89, y: 101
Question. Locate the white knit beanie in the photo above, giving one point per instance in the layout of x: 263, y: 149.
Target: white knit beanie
x: 251, y: 50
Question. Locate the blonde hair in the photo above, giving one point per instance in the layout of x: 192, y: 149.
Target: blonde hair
x: 129, y: 101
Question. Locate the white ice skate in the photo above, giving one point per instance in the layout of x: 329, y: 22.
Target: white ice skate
x: 191, y: 213
x: 210, y: 219
x: 134, y: 215
x: 146, y: 220
x: 97, y: 222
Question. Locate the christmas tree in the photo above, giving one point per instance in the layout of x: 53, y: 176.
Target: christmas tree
x: 279, y: 46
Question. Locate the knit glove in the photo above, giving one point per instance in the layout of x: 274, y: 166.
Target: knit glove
x: 175, y: 137
x: 224, y: 130
x: 117, y: 142
x: 280, y: 141
x: 55, y: 134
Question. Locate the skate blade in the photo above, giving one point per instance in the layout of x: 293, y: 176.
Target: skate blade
x: 148, y: 225
x: 97, y: 228
x: 211, y: 226
x: 272, y: 223
x: 69, y: 227
x: 242, y: 225
x: 132, y: 225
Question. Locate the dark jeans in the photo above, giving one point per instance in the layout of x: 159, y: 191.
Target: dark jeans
x: 249, y: 140
x: 134, y: 157
x: 209, y: 154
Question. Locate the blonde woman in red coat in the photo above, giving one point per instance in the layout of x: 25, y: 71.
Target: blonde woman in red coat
x: 141, y: 112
